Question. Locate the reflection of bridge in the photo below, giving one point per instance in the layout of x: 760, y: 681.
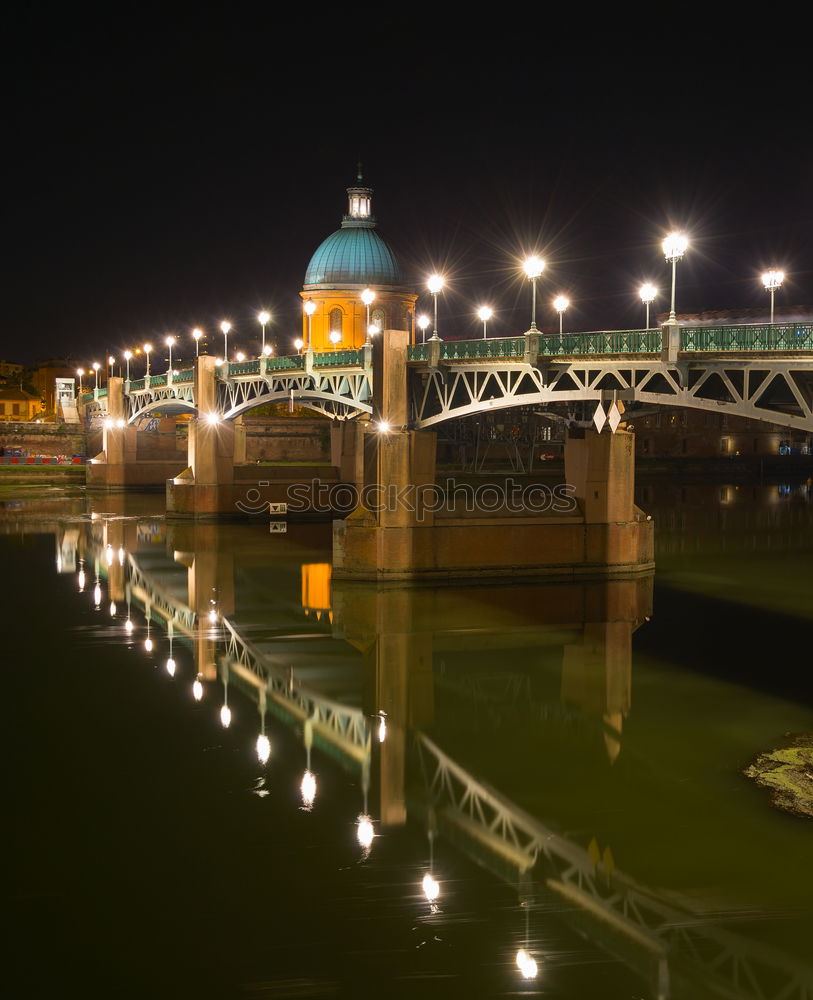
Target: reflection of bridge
x: 395, y: 632
x: 763, y: 372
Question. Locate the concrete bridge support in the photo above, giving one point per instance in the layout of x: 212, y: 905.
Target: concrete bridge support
x: 117, y: 466
x: 406, y: 528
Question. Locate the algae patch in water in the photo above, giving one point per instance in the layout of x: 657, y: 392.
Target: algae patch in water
x: 788, y: 773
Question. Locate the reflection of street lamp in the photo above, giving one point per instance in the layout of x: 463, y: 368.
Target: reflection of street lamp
x: 773, y: 280
x: 197, y: 687
x: 560, y: 303
x: 308, y: 789
x: 423, y: 322
x: 647, y: 293
x: 485, y: 313
x: 674, y: 247
x: 368, y: 297
x: 263, y: 743
x: 197, y: 333
x: 435, y: 284
x: 170, y: 660
x: 533, y: 267
x: 310, y: 309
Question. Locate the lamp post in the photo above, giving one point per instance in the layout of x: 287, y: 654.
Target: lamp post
x: 299, y: 343
x: 560, y: 304
x: 367, y: 297
x: 773, y: 280
x: 169, y: 341
x: 110, y: 362
x: 96, y: 366
x: 423, y: 322
x: 533, y: 267
x: 225, y: 326
x: 80, y: 372
x: 485, y: 313
x: 647, y: 293
x: 674, y: 247
x: 268, y: 350
x: 335, y: 337
x: 197, y: 333
x: 262, y: 318
x: 435, y: 285
x: 310, y: 309
x: 147, y: 348
x: 127, y: 356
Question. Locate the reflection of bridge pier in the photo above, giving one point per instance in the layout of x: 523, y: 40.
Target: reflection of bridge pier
x: 210, y: 585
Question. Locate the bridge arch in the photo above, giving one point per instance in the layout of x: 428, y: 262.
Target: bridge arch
x: 724, y: 387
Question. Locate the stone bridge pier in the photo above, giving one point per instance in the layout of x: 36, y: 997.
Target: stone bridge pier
x: 119, y: 466
x: 410, y: 527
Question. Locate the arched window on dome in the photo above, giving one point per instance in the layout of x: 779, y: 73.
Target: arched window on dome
x: 335, y: 321
x: 379, y: 318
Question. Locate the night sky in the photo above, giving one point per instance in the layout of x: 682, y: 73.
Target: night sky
x: 167, y: 175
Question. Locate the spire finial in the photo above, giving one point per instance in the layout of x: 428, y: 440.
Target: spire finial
x: 358, y: 173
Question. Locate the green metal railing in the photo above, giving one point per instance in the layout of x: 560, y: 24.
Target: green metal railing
x: 333, y: 359
x: 602, y: 342
x: 187, y: 375
x: 156, y: 380
x: 510, y: 347
x: 767, y: 337
x: 244, y: 367
x: 418, y: 352
x: 285, y: 362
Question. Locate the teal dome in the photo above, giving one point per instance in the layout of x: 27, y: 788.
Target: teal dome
x: 353, y: 255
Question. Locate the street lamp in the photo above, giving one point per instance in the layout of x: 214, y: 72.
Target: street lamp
x: 110, y: 362
x: 485, y: 313
x: 647, y: 293
x: 310, y: 309
x: 239, y: 356
x: 80, y: 372
x: 169, y: 341
x: 225, y: 326
x: 423, y: 322
x: 674, y: 247
x: 773, y: 280
x: 268, y: 350
x: 335, y: 337
x: 560, y: 303
x: 262, y: 318
x: 435, y: 284
x: 197, y: 333
x: 96, y: 366
x: 147, y: 348
x: 299, y: 343
x: 368, y: 297
x: 127, y: 356
x: 533, y: 267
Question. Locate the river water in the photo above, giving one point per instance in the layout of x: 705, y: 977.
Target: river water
x: 564, y: 761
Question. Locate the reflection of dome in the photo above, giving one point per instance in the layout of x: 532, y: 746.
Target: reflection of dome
x: 354, y: 255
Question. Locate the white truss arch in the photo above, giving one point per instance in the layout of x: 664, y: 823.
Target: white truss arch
x: 741, y: 388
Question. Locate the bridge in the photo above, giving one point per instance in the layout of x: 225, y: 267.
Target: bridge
x: 386, y: 400
x: 764, y: 372
x: 677, y: 949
